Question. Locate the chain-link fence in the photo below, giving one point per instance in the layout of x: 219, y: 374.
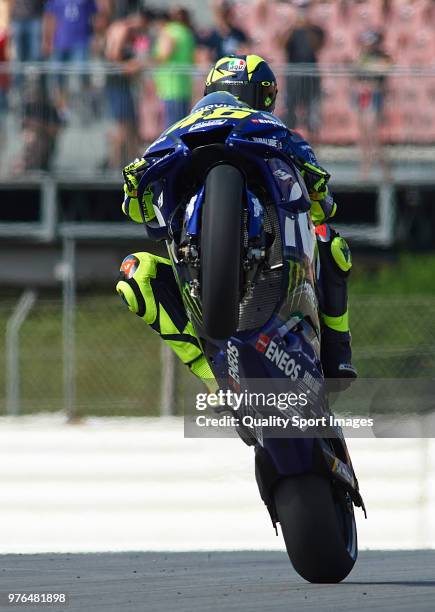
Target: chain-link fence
x: 118, y: 358
x: 393, y: 337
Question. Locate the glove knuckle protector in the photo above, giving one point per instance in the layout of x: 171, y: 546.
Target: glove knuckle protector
x: 316, y: 178
x: 132, y: 175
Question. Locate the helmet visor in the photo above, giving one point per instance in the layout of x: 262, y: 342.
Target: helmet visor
x: 257, y: 95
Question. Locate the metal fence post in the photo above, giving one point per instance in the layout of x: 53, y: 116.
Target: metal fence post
x: 49, y: 214
x: 168, y: 381
x: 13, y: 327
x: 68, y: 325
x: 386, y: 212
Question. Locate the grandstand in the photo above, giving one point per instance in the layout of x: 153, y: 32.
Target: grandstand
x: 76, y: 194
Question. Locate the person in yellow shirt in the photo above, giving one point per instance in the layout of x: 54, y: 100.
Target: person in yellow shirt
x: 174, y: 54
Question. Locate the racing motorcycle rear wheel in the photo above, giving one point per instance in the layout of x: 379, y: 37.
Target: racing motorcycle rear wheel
x: 221, y: 250
x: 318, y: 526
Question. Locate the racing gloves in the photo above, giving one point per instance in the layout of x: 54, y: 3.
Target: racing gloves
x: 131, y: 205
x: 316, y: 179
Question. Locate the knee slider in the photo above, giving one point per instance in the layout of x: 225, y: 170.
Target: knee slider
x: 341, y: 254
x: 135, y: 286
x: 130, y: 293
x: 134, y: 268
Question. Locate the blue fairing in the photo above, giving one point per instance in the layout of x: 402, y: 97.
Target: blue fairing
x: 276, y: 349
x: 256, y: 136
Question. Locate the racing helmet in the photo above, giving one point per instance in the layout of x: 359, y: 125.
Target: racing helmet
x: 247, y: 77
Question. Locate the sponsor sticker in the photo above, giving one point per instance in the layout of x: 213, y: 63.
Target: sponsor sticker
x: 208, y: 123
x: 262, y: 343
x: 233, y: 365
x: 212, y: 106
x: 282, y: 175
x: 279, y: 357
x: 323, y: 232
x: 312, y: 383
x: 129, y: 266
x: 237, y: 65
x: 265, y: 121
x: 271, y: 142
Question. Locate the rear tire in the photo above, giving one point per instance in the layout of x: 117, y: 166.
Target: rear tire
x: 221, y: 250
x: 319, y: 531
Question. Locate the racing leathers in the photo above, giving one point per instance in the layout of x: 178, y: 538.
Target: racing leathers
x: 148, y: 286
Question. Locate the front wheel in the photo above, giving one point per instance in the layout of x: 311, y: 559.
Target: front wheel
x: 221, y: 250
x: 318, y: 526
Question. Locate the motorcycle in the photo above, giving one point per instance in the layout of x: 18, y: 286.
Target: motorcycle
x: 234, y: 212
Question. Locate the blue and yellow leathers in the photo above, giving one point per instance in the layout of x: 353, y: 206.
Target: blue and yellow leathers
x: 148, y: 286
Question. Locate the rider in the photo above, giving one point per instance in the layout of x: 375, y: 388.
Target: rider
x: 147, y: 283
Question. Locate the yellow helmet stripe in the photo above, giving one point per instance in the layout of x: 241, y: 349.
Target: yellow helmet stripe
x: 252, y: 62
x: 217, y: 73
x: 209, y: 77
x: 222, y: 60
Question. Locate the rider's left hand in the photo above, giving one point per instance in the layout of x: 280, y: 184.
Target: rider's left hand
x: 131, y: 206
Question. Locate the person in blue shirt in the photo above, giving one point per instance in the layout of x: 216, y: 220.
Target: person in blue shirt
x: 225, y: 38
x: 147, y: 283
x: 68, y: 29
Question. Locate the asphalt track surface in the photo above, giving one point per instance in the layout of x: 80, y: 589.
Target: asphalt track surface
x: 218, y: 581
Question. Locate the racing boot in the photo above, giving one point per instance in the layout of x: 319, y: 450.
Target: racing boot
x: 147, y: 285
x: 335, y: 267
x: 336, y: 354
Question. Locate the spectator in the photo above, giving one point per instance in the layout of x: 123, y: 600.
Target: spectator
x: 4, y: 76
x: 174, y: 51
x: 225, y: 38
x: 68, y: 29
x: 127, y: 45
x: 110, y: 11
x: 369, y: 99
x: 26, y: 29
x: 67, y: 34
x: 100, y: 24
x: 267, y: 24
x: 303, y: 44
x: 119, y: 9
x: 41, y: 124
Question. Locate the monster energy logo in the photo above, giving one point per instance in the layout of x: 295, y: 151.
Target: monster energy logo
x: 296, y: 274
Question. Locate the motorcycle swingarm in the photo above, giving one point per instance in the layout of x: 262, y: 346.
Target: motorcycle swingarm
x: 341, y: 471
